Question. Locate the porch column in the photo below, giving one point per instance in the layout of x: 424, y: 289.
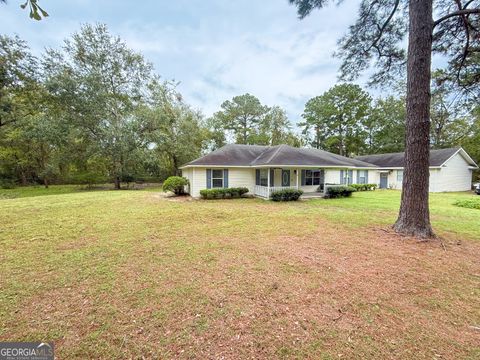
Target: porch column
x: 268, y: 183
x: 298, y: 170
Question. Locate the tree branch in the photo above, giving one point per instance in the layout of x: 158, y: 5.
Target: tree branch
x: 384, y: 26
x: 456, y: 13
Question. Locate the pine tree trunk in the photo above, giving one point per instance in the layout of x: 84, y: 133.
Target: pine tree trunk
x: 414, y: 216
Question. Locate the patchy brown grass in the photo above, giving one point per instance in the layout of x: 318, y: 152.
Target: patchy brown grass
x: 129, y: 274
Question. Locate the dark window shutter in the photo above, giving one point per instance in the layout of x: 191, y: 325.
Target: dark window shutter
x: 225, y: 178
x: 358, y: 176
x: 342, y: 178
x: 209, y: 178
x: 257, y: 176
x: 272, y: 176
x: 303, y: 177
x: 366, y: 176
x: 350, y: 177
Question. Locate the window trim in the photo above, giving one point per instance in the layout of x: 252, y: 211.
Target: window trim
x: 360, y: 176
x: 398, y: 173
x: 217, y: 178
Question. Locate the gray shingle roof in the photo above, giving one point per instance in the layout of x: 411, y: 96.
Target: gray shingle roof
x: 232, y: 155
x: 282, y: 155
x: 437, y: 158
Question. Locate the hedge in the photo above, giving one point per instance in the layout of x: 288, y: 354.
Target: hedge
x: 286, y: 195
x: 226, y: 193
x: 364, y: 187
x: 175, y: 184
x: 339, y: 191
x: 468, y: 203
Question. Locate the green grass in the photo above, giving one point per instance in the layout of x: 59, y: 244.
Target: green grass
x: 128, y: 274
x: 469, y: 203
x: 31, y: 191
x: 381, y: 208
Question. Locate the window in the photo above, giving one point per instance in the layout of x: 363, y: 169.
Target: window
x: 264, y: 177
x: 217, y: 178
x: 362, y: 177
x: 399, y: 175
x: 346, y: 177
x: 312, y: 177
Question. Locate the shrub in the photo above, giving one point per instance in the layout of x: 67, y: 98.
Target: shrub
x: 7, y: 184
x: 339, y: 191
x: 286, y: 195
x: 226, y: 193
x: 363, y: 187
x: 175, y: 184
x: 468, y: 203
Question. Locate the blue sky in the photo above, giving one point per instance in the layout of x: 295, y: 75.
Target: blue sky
x: 216, y: 49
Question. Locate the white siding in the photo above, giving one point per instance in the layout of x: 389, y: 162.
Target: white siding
x: 455, y: 175
x: 374, y: 177
x: 332, y: 176
x: 187, y: 173
x: 199, y: 176
x: 237, y: 177
x: 241, y: 177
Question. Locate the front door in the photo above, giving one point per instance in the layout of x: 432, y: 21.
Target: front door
x: 285, y: 177
x: 383, y: 180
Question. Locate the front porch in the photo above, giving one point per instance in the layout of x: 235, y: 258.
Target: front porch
x: 310, y: 181
x: 266, y: 191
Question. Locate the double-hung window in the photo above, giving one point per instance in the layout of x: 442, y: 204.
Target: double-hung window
x: 400, y: 176
x: 217, y: 178
x: 362, y: 177
x: 312, y: 177
x: 264, y: 177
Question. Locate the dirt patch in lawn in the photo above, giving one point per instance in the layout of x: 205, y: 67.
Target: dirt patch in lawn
x: 241, y: 280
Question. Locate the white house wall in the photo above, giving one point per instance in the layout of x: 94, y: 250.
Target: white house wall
x: 242, y: 177
x: 237, y: 177
x: 455, y: 175
x: 187, y: 173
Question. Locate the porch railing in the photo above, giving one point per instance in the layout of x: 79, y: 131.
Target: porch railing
x: 266, y: 191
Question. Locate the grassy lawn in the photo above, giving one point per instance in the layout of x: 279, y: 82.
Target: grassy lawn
x: 126, y: 274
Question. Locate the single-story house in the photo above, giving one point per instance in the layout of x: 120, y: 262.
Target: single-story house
x: 450, y: 169
x: 263, y: 169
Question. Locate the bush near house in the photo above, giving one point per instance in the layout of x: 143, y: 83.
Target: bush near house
x: 339, y: 191
x: 227, y: 193
x: 176, y: 184
x: 364, y: 187
x: 468, y: 203
x: 286, y: 195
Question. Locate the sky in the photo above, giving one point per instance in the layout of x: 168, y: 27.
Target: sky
x: 215, y: 49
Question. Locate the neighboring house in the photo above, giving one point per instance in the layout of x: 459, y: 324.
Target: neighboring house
x: 450, y: 169
x: 263, y: 169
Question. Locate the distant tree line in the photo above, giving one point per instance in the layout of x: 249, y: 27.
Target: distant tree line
x: 95, y: 111
x: 346, y: 120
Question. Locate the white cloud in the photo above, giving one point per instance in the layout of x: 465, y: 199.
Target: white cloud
x: 217, y: 49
